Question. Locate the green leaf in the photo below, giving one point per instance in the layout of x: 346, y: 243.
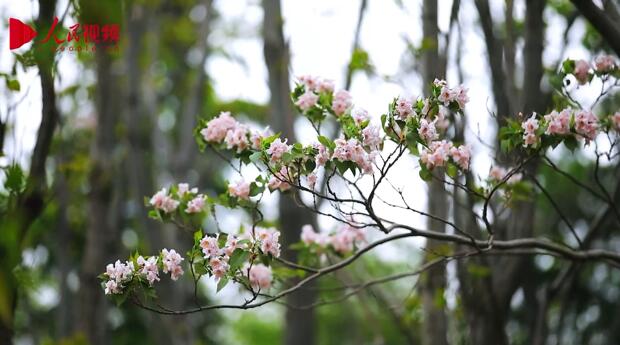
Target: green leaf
x: 326, y: 142
x: 571, y: 143
x: 222, y: 283
x: 256, y: 156
x: 425, y: 174
x: 221, y: 239
x: 568, y: 66
x: 198, y: 236
x: 15, y: 179
x: 452, y: 170
x: 13, y: 84
x: 200, y: 269
x: 238, y: 257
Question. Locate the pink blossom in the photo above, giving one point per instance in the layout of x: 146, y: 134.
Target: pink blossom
x: 345, y: 238
x: 158, y: 199
x: 342, y: 102
x: 218, y: 127
x: 604, y: 64
x: 441, y: 122
x: 119, y: 271
x: 371, y: 137
x: 558, y: 123
x: 219, y: 267
x: 149, y: 268
x: 426, y: 107
x: 351, y: 150
x: 323, y: 156
x: 308, y: 235
x: 359, y: 115
x: 447, y: 95
x: 111, y: 287
x: 586, y: 124
x: 312, y: 178
x: 237, y: 138
x: 277, y: 149
x: 209, y: 246
x: 256, y: 138
x: 307, y: 101
x: 530, y: 126
x: 439, y: 82
x: 461, y: 156
x: 269, y: 241
x: 241, y: 190
x: 231, y: 245
x: 162, y: 201
x: 279, y: 180
x: 404, y: 108
x: 436, y: 155
x: 171, y: 261
x: 581, y: 71
x: 183, y: 188
x: 461, y: 96
x: 427, y: 131
x: 325, y: 85
x: 310, y: 82
x: 497, y: 173
x: 196, y: 205
x: 260, y: 276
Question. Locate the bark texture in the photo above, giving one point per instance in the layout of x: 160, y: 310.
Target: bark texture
x: 300, y: 324
x: 433, y: 282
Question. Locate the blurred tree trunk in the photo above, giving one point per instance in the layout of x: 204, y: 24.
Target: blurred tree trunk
x: 105, y: 189
x: 31, y: 203
x: 488, y: 290
x: 605, y: 20
x: 300, y: 324
x: 433, y: 281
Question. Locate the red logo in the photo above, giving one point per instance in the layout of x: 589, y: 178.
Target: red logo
x: 19, y: 33
x: 78, y: 37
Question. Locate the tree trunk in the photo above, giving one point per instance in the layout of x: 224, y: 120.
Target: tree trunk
x: 433, y: 282
x: 487, y: 293
x: 103, y: 230
x: 300, y: 324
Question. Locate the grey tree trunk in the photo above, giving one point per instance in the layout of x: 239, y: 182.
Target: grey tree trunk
x: 300, y: 324
x: 103, y: 226
x: 486, y: 297
x: 433, y: 281
x: 105, y: 189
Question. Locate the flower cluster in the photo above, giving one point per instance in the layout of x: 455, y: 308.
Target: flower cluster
x: 558, y: 126
x: 422, y: 124
x: 220, y: 253
x: 530, y: 126
x: 583, y: 71
x: 234, y: 135
x: 169, y: 201
x: 260, y: 276
x: 119, y: 276
x: 240, y: 190
x: 343, y: 241
x: 171, y: 260
x: 439, y: 152
x: 342, y: 102
x: 352, y: 150
x: 449, y: 95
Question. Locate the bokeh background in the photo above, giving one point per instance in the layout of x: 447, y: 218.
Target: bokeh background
x: 125, y: 129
